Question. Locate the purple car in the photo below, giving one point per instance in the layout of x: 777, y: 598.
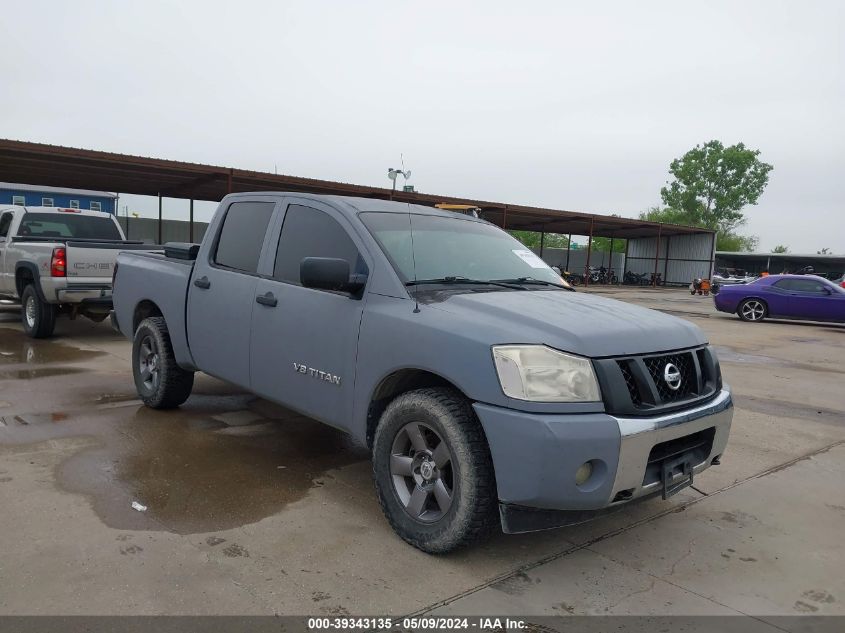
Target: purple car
x: 784, y: 296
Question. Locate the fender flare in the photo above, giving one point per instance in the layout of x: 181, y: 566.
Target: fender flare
x: 36, y: 277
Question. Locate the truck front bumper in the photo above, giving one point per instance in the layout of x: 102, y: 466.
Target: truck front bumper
x: 537, y: 456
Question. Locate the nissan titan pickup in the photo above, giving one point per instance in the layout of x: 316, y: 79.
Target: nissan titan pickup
x: 488, y: 392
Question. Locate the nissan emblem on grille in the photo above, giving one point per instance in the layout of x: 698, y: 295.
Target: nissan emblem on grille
x: 672, y: 376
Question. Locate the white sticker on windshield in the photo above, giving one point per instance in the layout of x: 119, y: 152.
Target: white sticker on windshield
x: 530, y: 258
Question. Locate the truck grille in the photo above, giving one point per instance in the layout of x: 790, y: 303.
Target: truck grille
x: 636, y: 385
x: 630, y: 382
x: 686, y: 367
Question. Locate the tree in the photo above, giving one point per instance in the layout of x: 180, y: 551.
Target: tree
x: 602, y: 244
x: 712, y: 183
x: 780, y: 248
x: 824, y: 251
x: 734, y: 242
x: 725, y: 240
x: 531, y: 239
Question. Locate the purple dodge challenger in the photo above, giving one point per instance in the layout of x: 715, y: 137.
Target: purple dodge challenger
x: 784, y: 296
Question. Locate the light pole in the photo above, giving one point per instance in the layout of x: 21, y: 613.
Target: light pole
x: 392, y: 174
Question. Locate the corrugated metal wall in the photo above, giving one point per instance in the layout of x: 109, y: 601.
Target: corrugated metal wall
x: 681, y: 258
x: 146, y: 230
x: 578, y: 259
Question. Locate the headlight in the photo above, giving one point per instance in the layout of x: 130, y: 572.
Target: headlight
x: 542, y: 374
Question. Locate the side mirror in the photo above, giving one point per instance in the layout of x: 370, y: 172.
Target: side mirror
x: 329, y: 273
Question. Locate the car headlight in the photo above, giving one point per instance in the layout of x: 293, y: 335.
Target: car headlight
x: 542, y: 374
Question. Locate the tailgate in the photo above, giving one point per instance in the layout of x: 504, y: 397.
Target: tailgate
x: 93, y: 262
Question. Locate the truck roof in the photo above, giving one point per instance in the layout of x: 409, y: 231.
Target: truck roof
x: 354, y: 205
x: 28, y: 209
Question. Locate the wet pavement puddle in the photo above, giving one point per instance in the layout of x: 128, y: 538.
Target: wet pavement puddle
x: 193, y: 471
x: 16, y: 347
x: 222, y: 460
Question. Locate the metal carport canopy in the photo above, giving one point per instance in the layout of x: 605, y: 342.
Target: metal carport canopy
x: 58, y: 166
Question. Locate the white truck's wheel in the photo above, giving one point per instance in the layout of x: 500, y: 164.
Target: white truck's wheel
x: 433, y: 471
x: 38, y: 317
x: 159, y: 380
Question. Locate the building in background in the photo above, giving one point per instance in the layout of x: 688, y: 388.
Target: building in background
x: 754, y: 263
x: 40, y: 196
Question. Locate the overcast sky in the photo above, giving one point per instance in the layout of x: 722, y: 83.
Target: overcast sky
x: 570, y: 105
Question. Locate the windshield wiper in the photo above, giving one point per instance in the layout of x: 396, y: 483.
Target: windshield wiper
x: 533, y: 281
x: 463, y: 281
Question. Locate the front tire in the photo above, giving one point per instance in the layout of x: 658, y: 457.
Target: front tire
x: 38, y: 317
x: 752, y: 310
x: 160, y: 382
x: 433, y: 471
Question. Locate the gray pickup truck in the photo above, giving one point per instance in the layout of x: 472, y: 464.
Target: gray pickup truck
x: 488, y: 392
x: 58, y: 261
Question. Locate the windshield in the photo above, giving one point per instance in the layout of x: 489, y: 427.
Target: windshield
x: 453, y: 247
x: 68, y: 225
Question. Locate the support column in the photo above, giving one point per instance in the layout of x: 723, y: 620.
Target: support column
x: 542, y: 241
x: 666, y: 261
x: 610, y: 267
x: 625, y: 261
x: 656, y: 255
x: 505, y: 218
x: 589, y: 249
x: 191, y: 221
x: 229, y: 181
x: 159, y: 218
x: 568, y: 247
x: 713, y: 257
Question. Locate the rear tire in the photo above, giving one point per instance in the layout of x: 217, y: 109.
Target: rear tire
x: 433, y: 471
x: 160, y: 382
x: 752, y: 310
x: 38, y: 317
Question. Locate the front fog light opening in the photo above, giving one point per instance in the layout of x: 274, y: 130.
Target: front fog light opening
x: 583, y: 474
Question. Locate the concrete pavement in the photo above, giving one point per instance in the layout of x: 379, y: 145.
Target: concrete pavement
x: 255, y: 510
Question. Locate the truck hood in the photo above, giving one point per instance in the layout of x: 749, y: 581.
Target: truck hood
x: 581, y: 323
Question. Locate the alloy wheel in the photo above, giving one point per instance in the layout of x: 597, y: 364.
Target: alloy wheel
x: 29, y: 312
x: 421, y: 470
x: 149, y: 363
x: 753, y: 310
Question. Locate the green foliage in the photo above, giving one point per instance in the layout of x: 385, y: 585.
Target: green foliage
x: 824, y: 251
x: 736, y: 243
x: 780, y: 248
x: 725, y: 240
x: 712, y: 183
x: 531, y: 239
x: 668, y: 215
x: 602, y: 244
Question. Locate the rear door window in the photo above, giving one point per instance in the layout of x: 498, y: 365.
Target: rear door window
x: 242, y: 235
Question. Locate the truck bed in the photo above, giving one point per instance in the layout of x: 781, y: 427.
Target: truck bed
x: 169, y: 293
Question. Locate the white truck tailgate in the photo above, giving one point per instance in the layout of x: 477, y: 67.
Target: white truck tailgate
x: 92, y: 264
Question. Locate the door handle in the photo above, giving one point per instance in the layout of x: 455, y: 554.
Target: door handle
x: 203, y: 283
x: 267, y: 300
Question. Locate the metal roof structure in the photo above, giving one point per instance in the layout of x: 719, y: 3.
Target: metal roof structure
x: 781, y: 261
x: 58, y: 166
x: 14, y: 186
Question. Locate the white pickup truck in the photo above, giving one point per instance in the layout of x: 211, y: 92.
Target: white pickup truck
x: 59, y: 261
